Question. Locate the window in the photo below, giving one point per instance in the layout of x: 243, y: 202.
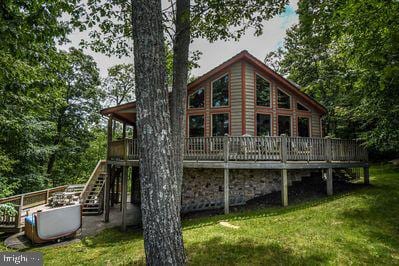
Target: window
x: 284, y: 100
x: 301, y: 107
x: 263, y: 125
x: 220, y: 92
x: 196, y: 99
x: 284, y: 125
x: 262, y: 91
x: 196, y: 126
x: 220, y: 124
x: 303, y: 127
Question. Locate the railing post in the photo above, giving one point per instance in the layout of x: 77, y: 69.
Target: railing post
x: 21, y: 202
x: 328, y: 149
x: 226, y: 148
x: 284, y: 151
x: 47, y: 195
x: 18, y: 220
x: 109, y: 137
x: 125, y: 148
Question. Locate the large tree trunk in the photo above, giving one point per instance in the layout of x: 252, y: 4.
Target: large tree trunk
x: 179, y: 90
x: 163, y: 241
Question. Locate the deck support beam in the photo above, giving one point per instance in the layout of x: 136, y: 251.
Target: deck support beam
x: 284, y: 187
x: 366, y: 174
x: 329, y: 181
x: 107, y: 185
x: 135, y: 197
x: 124, y: 196
x: 226, y: 191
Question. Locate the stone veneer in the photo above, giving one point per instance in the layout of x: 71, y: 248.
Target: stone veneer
x: 203, y: 188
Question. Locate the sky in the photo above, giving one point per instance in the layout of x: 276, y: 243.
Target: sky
x: 213, y: 54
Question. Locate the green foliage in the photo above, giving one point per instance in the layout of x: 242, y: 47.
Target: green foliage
x: 8, y: 209
x: 48, y: 99
x: 119, y: 86
x: 345, y: 54
x: 111, y: 30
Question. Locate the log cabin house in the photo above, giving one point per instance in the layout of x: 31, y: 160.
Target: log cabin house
x: 249, y: 132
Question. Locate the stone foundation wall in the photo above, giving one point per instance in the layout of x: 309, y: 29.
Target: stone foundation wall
x: 203, y: 188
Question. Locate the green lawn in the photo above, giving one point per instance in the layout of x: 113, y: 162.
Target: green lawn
x: 361, y: 227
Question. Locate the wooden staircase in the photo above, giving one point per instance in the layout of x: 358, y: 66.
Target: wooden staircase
x: 93, y: 193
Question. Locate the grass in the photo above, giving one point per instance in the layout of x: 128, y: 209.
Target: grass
x: 360, y: 227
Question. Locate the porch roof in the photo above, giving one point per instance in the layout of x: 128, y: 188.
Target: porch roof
x: 123, y: 113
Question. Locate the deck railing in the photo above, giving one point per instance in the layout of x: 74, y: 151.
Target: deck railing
x: 279, y: 148
x: 22, y: 202
x: 32, y: 199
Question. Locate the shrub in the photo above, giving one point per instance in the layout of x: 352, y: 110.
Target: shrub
x: 8, y: 209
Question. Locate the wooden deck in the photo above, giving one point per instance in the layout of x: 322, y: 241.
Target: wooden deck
x: 256, y: 153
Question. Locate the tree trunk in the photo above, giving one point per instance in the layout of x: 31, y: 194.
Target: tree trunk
x: 163, y: 241
x: 57, y: 140
x: 179, y: 91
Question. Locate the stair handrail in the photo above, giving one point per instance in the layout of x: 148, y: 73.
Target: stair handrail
x: 93, y: 176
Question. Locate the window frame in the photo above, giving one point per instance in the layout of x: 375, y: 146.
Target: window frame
x: 188, y: 124
x: 270, y: 91
x: 309, y: 125
x: 228, y: 90
x: 188, y: 99
x: 289, y: 96
x: 220, y: 113
x: 291, y: 124
x: 299, y: 110
x: 270, y: 114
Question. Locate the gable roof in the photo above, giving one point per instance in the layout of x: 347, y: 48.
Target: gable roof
x: 246, y: 56
x: 120, y: 110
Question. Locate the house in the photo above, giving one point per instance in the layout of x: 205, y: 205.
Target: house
x: 249, y: 132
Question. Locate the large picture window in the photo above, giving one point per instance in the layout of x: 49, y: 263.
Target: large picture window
x: 262, y: 92
x: 283, y: 100
x: 284, y: 125
x: 220, y: 92
x: 263, y: 123
x: 303, y: 127
x: 196, y: 99
x: 220, y: 124
x: 196, y: 126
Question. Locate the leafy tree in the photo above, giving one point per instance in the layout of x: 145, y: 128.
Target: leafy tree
x: 113, y: 28
x: 345, y: 54
x: 74, y: 114
x: 119, y: 85
x: 29, y: 31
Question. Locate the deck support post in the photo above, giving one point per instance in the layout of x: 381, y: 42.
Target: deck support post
x: 124, y: 196
x: 329, y: 181
x: 136, y: 194
x: 226, y: 191
x: 366, y: 174
x: 108, y: 178
x: 284, y: 187
x: 123, y: 130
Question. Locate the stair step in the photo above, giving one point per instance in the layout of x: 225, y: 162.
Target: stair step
x: 90, y: 208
